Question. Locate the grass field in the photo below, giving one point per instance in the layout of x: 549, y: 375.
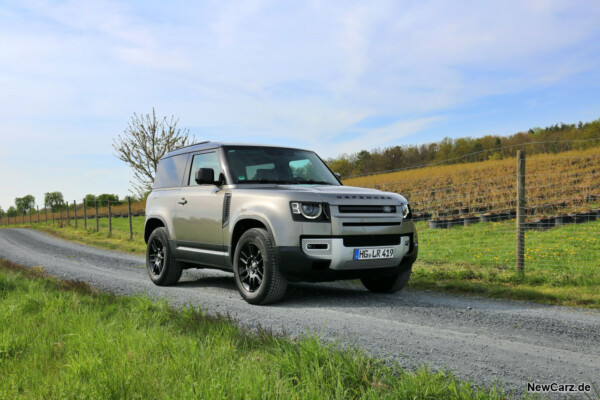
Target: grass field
x: 562, y: 265
x: 61, y: 339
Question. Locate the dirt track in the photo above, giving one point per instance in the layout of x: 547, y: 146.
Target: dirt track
x: 479, y: 339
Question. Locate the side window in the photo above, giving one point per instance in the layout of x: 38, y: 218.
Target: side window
x: 204, y: 160
x: 169, y: 172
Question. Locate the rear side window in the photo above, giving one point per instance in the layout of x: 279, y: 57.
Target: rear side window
x: 170, y: 171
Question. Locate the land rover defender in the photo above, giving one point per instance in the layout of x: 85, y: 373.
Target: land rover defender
x: 273, y: 215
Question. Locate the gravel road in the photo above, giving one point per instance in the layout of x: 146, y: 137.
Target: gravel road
x: 482, y: 340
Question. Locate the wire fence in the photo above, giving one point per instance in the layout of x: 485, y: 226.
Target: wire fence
x: 108, y: 216
x: 468, y: 212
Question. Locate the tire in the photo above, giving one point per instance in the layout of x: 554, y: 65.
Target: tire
x: 257, y: 274
x: 160, y: 263
x: 389, y: 284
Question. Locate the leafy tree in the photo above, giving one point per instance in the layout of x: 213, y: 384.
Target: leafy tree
x: 103, y: 199
x: 53, y: 199
x: 25, y: 203
x: 89, y: 199
x: 11, y: 212
x: 145, y: 141
x: 2, y: 212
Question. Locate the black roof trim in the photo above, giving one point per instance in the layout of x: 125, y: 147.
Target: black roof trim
x: 207, y: 145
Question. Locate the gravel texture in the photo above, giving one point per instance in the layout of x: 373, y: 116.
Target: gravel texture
x: 482, y: 340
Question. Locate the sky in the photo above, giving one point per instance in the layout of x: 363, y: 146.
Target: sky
x: 332, y: 76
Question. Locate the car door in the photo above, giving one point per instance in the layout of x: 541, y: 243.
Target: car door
x: 198, y: 216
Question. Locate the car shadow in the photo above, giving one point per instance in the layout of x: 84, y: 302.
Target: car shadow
x: 325, y: 294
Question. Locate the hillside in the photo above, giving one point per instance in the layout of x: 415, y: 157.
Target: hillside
x: 552, y: 139
x: 563, y: 182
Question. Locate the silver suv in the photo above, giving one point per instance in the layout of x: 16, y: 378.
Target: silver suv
x: 273, y: 215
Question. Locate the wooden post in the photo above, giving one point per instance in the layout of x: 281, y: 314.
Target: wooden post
x: 520, y: 212
x: 30, y: 217
x: 52, y: 210
x: 60, y: 208
x: 75, y: 212
x: 97, y: 226
x: 46, y: 213
x: 109, y: 220
x: 38, y: 210
x: 68, y: 217
x: 84, y: 216
x: 129, y: 213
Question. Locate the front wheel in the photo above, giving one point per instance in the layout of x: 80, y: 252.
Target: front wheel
x: 388, y: 284
x: 160, y: 263
x: 257, y: 274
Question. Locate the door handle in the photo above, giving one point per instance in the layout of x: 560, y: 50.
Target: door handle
x: 183, y: 201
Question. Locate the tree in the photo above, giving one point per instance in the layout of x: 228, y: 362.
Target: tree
x: 25, y: 203
x: 11, y: 212
x: 145, y: 141
x: 89, y: 199
x: 103, y: 199
x: 53, y: 199
x: 2, y: 212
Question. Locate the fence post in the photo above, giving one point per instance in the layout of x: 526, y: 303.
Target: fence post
x: 46, y: 213
x: 60, y: 209
x: 97, y: 226
x: 52, y: 210
x: 23, y: 217
x: 75, y: 212
x: 30, y: 217
x: 109, y: 220
x: 68, y: 217
x: 520, y: 212
x: 84, y: 216
x: 38, y: 210
x: 129, y: 213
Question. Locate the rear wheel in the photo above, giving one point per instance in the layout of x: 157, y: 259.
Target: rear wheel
x: 160, y: 263
x: 257, y: 274
x: 388, y: 284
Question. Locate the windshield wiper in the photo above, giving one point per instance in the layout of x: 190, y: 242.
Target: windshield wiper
x: 311, y: 182
x: 267, y: 181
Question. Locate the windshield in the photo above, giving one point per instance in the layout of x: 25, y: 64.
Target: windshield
x: 249, y: 164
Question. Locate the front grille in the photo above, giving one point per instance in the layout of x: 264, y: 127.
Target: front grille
x: 359, y: 209
x: 371, y: 224
x: 371, y: 240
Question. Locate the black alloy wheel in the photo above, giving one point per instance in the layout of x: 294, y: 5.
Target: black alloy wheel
x: 156, y: 256
x: 251, y: 267
x: 162, y: 267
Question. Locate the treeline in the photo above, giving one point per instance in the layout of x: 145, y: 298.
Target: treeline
x: 55, y: 201
x: 552, y: 139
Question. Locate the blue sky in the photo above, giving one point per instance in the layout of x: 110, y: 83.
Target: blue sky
x: 333, y: 76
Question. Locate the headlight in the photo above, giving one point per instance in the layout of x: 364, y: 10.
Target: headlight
x: 405, y: 210
x: 310, y: 211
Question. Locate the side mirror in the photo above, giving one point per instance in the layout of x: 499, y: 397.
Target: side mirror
x: 205, y: 176
x: 338, y: 175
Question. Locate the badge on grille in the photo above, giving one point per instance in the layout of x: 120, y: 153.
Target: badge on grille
x: 387, y: 209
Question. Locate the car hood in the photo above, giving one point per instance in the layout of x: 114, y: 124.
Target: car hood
x: 336, y: 194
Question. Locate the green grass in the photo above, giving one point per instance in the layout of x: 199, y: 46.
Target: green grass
x: 562, y: 265
x: 61, y: 339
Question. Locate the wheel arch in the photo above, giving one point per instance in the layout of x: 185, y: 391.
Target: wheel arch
x: 151, y: 224
x: 243, y: 225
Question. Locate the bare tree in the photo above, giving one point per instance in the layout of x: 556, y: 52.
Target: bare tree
x: 145, y: 141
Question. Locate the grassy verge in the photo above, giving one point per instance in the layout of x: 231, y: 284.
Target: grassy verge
x: 562, y: 265
x: 61, y: 339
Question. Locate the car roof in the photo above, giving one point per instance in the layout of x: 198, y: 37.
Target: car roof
x: 213, y: 145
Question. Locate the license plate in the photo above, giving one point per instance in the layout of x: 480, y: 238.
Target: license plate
x: 373, y: 254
